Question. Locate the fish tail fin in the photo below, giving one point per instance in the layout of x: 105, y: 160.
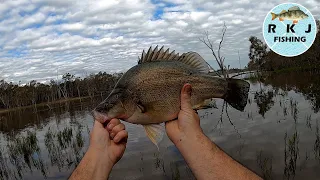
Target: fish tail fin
x: 273, y: 16
x: 237, y: 93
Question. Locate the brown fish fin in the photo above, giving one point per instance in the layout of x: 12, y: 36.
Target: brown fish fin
x: 155, y: 133
x: 141, y: 107
x: 273, y: 17
x: 295, y: 21
x: 195, y: 61
x: 294, y: 8
x: 281, y: 19
x: 206, y: 104
x: 158, y: 55
x: 237, y: 93
x: 192, y: 59
x: 283, y: 11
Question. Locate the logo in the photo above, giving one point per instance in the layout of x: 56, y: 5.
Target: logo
x: 289, y: 29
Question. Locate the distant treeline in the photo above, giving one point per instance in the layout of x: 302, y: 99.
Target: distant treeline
x: 13, y: 95
x: 262, y: 59
x: 230, y: 71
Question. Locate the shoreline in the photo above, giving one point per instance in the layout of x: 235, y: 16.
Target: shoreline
x: 43, y: 104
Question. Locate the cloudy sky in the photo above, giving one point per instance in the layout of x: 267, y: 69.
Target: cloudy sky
x: 40, y: 39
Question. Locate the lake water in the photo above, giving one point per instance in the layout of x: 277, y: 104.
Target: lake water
x: 277, y: 136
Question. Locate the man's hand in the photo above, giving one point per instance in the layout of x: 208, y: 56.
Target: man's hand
x: 109, y: 141
x: 188, y: 123
x: 204, y: 158
x: 107, y: 145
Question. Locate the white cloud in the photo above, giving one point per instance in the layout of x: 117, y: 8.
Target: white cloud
x: 73, y: 27
x: 40, y: 38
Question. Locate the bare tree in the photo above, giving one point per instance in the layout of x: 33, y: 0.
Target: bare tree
x: 220, y: 61
x: 218, y: 57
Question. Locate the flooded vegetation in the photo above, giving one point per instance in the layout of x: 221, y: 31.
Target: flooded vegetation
x: 277, y: 136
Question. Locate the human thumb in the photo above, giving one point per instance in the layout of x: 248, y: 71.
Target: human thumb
x: 186, y: 97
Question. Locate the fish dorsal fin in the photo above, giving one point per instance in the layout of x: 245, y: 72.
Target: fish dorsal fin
x: 283, y: 11
x: 294, y: 8
x: 192, y: 59
x: 157, y: 55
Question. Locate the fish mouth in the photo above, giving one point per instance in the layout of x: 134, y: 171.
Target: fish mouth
x: 99, y: 116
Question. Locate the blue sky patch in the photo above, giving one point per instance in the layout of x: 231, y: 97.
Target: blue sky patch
x: 26, y: 13
x: 17, y: 52
x: 160, y: 6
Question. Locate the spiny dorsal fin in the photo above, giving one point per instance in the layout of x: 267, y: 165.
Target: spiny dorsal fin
x: 294, y: 8
x: 157, y: 55
x: 283, y: 11
x: 192, y: 59
x: 150, y: 52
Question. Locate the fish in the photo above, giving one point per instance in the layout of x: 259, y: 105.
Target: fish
x: 294, y: 13
x: 149, y: 93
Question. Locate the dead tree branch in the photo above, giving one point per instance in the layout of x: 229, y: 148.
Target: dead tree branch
x: 219, y: 59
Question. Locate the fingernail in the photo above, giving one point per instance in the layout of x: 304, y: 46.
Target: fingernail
x: 112, y: 135
x: 110, y: 126
x: 116, y: 139
x: 188, y: 89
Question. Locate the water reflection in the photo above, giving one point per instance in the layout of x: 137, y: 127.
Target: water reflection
x: 42, y: 141
x: 316, y: 147
x: 305, y: 82
x: 65, y: 146
x: 276, y: 136
x: 265, y: 165
x: 264, y: 100
x: 24, y: 151
x: 291, y: 154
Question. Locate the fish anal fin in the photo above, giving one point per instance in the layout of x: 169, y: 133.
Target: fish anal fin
x: 206, y: 104
x: 295, y: 21
x: 281, y: 19
x: 155, y: 133
x: 283, y: 11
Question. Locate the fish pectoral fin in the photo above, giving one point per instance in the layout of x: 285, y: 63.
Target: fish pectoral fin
x: 295, y: 21
x: 155, y: 133
x: 206, y: 104
x: 141, y: 107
